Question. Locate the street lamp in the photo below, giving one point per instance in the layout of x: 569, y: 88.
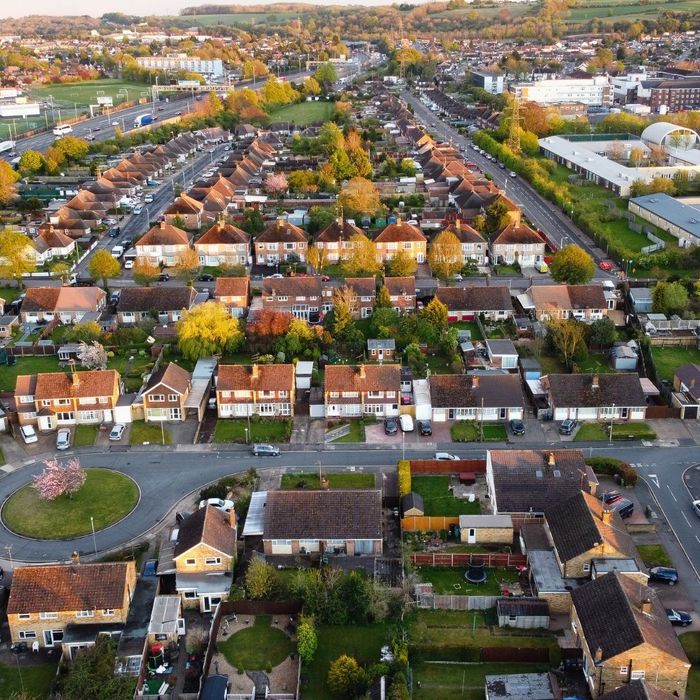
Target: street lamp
x: 612, y: 418
x: 246, y: 435
x: 94, y: 540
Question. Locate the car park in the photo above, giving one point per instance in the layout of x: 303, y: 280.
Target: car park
x: 220, y: 503
x: 567, y: 426
x: 117, y: 431
x: 406, y: 423
x: 663, y: 574
x: 425, y: 427
x: 443, y: 456
x: 678, y: 618
x: 28, y: 434
x: 264, y: 450
x: 63, y: 439
x: 517, y: 427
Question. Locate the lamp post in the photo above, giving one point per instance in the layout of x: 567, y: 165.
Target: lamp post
x: 612, y: 418
x: 246, y: 435
x: 94, y: 540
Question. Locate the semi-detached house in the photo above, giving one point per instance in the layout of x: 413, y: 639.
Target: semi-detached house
x: 138, y: 304
x: 364, y: 390
x: 280, y: 242
x: 64, y: 304
x: 250, y: 390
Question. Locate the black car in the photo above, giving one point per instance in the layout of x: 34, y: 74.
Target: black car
x: 624, y: 507
x: 517, y: 427
x: 391, y: 426
x: 567, y: 426
x: 679, y: 618
x: 206, y: 278
x: 163, y: 277
x: 114, y: 233
x: 663, y: 574
x: 425, y: 427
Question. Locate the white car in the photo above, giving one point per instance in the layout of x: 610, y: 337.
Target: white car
x: 446, y: 456
x: 137, y: 210
x: 219, y: 503
x: 63, y: 439
x: 406, y: 423
x: 128, y: 264
x: 117, y: 431
x: 512, y: 174
x: 148, y: 198
x: 28, y: 434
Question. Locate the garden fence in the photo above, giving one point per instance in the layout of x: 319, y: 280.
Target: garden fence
x: 456, y: 602
x: 425, y: 523
x: 462, y: 559
x: 440, y: 466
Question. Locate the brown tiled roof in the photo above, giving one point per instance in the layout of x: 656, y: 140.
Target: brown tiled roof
x: 164, y: 234
x: 351, y: 514
x: 490, y: 391
x: 292, y: 286
x: 223, y: 233
x: 62, y: 299
x: 363, y: 378
x: 64, y: 385
x: 208, y: 526
x: 400, y: 285
x: 638, y: 690
x: 156, y: 298
x: 25, y: 385
x: 67, y: 588
x: 339, y: 230
x: 400, y: 231
x: 231, y: 286
x: 362, y: 286
x: 464, y: 232
x: 609, y: 609
x: 552, y: 296
x: 587, y: 296
x: 173, y: 376
x: 512, y: 234
x: 475, y: 299
x: 255, y: 377
x: 577, y: 389
x: 281, y: 232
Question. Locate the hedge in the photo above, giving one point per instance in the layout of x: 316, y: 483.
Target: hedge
x: 611, y: 466
x: 404, y: 470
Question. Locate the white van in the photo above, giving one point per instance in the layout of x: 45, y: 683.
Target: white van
x: 406, y: 423
x: 62, y: 129
x: 117, y: 251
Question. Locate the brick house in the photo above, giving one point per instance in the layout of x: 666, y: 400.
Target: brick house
x: 516, y: 243
x: 51, y: 243
x: 583, y: 302
x: 638, y: 690
x: 336, y: 522
x: 48, y: 604
x: 187, y: 209
x: 365, y: 289
x: 164, y: 245
x: 402, y: 291
x: 381, y: 349
x: 686, y: 390
x: 255, y: 390
x: 280, y: 242
x: 166, y: 394
x: 223, y: 244
x: 51, y: 400
x: 334, y: 241
x: 234, y: 293
x: 401, y: 236
x: 65, y: 304
x: 473, y: 245
x: 138, y: 304
x: 624, y: 635
x: 466, y: 303
x: 367, y: 389
x: 302, y: 297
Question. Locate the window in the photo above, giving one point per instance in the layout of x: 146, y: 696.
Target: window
x: 172, y: 397
x: 334, y: 394
x: 282, y: 394
x: 108, y: 612
x: 62, y: 402
x: 156, y: 397
x: 46, y: 402
x: 623, y: 670
x: 65, y: 416
x: 27, y: 634
x: 85, y: 613
x: 48, y: 616
x: 637, y: 675
x: 586, y: 567
x: 190, y: 562
x: 212, y: 561
x: 24, y: 616
x: 190, y: 595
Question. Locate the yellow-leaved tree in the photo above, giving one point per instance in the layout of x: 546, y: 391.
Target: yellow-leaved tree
x: 208, y: 329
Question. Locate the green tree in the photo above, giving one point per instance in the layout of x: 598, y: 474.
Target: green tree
x: 669, y: 298
x: 72, y: 148
x: 320, y: 218
x: 384, y: 322
x: 261, y: 579
x: 346, y: 678
x: 330, y: 136
x: 30, y: 162
x: 602, y: 332
x: 307, y: 639
x: 253, y: 222
x: 435, y: 313
x: 445, y: 255
x: 496, y: 217
x: 568, y: 338
x: 103, y: 266
x: 325, y: 76
x: 416, y: 360
x: 403, y: 264
x: 383, y: 298
x: 16, y: 256
x: 572, y: 265
x: 208, y: 329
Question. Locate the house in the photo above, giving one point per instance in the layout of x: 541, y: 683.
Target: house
x: 255, y: 390
x: 402, y: 291
x: 56, y: 399
x: 234, y: 293
x: 583, y: 302
x: 486, y: 529
x: 280, y: 242
x: 223, y: 244
x: 333, y: 243
x: 352, y: 392
x: 51, y: 243
x: 502, y: 353
x: 526, y: 483
x: 166, y: 394
x: 49, y: 604
x: 686, y: 390
x: 516, y: 243
x: 523, y: 613
x: 601, y: 397
x: 163, y: 245
x: 302, y: 297
x: 638, y: 690
x: 8, y: 323
x: 336, y: 522
x: 412, y: 504
x: 142, y: 303
x: 522, y: 686
x: 365, y: 291
x: 404, y: 237
x: 186, y: 209
x: 65, y: 304
x: 625, y: 636
x: 466, y: 303
x: 473, y: 246
x: 381, y: 349
x: 487, y: 397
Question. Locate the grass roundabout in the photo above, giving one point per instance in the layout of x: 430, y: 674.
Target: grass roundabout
x: 107, y: 496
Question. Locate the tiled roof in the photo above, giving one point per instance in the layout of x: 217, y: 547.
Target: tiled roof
x: 587, y: 296
x: 292, y: 286
x: 638, y: 690
x: 164, y: 234
x: 362, y: 286
x: 514, y: 234
x: 689, y: 375
x: 464, y: 391
x: 64, y: 385
x: 337, y: 514
x: 208, y: 526
x: 62, y: 299
x: 65, y: 588
x: 464, y: 232
x: 578, y: 389
x: 400, y: 285
x: 173, y: 377
x: 223, y: 233
x: 156, y: 298
x: 400, y: 231
x: 281, y: 232
x: 231, y: 286
x: 363, y: 378
x: 255, y: 377
x: 339, y: 230
x: 475, y: 298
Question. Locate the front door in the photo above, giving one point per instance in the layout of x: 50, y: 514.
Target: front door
x: 471, y: 536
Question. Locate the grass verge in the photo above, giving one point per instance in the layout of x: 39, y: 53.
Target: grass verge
x: 261, y: 430
x: 356, y: 434
x: 654, y: 555
x: 342, y: 480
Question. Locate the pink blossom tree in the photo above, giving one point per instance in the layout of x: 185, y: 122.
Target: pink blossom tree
x: 92, y: 356
x: 58, y: 479
x: 276, y: 183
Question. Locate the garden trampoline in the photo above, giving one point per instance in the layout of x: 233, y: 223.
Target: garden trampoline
x: 475, y: 573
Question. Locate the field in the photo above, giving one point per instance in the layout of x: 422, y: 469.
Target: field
x: 513, y: 9
x: 667, y: 360
x: 303, y: 113
x: 240, y: 18
x: 67, y: 95
x: 612, y: 11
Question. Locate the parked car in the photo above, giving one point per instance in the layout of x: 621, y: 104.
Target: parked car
x: 181, y: 516
x: 148, y: 198
x: 425, y: 427
x: 696, y: 507
x: 605, y: 265
x: 512, y: 174
x: 114, y: 296
x: 663, y: 574
x: 567, y: 426
x: 137, y: 210
x: 206, y: 278
x: 220, y: 503
x: 28, y: 434
x: 446, y: 456
x: 391, y: 426
x: 63, y: 439
x: 624, y: 507
x: 163, y: 277
x: 679, y: 618
x: 128, y: 264
x: 264, y: 450
x: 611, y: 497
x: 517, y: 427
x: 405, y: 399
x: 117, y: 431
x: 114, y: 233
x: 406, y: 423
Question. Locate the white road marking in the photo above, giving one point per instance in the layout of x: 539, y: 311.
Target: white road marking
x: 685, y: 517
x: 673, y: 496
x: 655, y: 480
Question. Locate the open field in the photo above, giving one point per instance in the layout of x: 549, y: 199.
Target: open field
x: 303, y: 113
x: 513, y: 9
x: 612, y: 11
x: 82, y: 94
x: 240, y: 18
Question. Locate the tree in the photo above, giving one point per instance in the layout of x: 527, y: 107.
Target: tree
x: 568, y: 337
x: 383, y: 298
x: 416, y: 360
x: 361, y: 258
x: 435, y: 313
x: 403, y: 264
x: 16, y: 257
x: 307, y: 639
x: 496, y: 217
x: 103, y: 266
x: 330, y: 136
x: 92, y: 356
x: 253, y: 69
x: 344, y: 301
x: 267, y: 327
x: 208, y: 329
x: 325, y: 76
x: 59, y: 479
x: 601, y: 332
x: 253, y: 222
x: 261, y: 579
x: 144, y: 272
x: 188, y: 266
x: 30, y: 162
x: 317, y: 257
x: 572, y: 265
x: 346, y: 678
x: 359, y: 196
x: 62, y: 271
x: 669, y: 298
x: 321, y: 217
x: 276, y: 183
x: 311, y: 86
x: 8, y: 180
x: 445, y: 255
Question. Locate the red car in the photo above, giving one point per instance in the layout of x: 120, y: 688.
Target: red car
x: 606, y: 265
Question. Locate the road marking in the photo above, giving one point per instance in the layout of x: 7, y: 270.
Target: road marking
x: 685, y: 517
x: 697, y: 538
x: 655, y: 480
x: 673, y: 495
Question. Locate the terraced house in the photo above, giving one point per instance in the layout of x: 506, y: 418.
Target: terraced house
x: 255, y: 390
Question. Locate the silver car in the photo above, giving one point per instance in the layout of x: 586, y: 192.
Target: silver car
x: 263, y: 450
x: 117, y: 431
x: 63, y: 439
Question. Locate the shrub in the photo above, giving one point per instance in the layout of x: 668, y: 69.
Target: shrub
x: 404, y: 477
x: 611, y: 467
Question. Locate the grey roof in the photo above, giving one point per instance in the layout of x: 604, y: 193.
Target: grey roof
x: 381, y: 344
x: 501, y: 347
x: 478, y: 521
x: 204, y: 583
x: 638, y: 690
x: 522, y: 606
x: 255, y: 518
x: 166, y: 610
x: 545, y: 572
x: 685, y: 216
x: 412, y: 500
x: 520, y: 686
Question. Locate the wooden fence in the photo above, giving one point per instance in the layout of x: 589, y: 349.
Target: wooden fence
x: 441, y: 466
x: 663, y: 412
x: 462, y: 559
x: 457, y: 602
x: 424, y: 523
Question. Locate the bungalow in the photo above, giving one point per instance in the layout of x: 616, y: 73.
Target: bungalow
x: 365, y: 290
x: 249, y: 390
x: 466, y: 303
x: 583, y: 302
x: 516, y: 243
x: 166, y: 394
x: 686, y: 391
x: 65, y: 304
x: 333, y: 243
x: 223, y: 244
x: 164, y: 245
x: 51, y: 243
x: 234, y: 293
x: 402, y: 291
x: 280, y: 242
x: 381, y: 349
x: 368, y: 389
x: 302, y: 297
x: 138, y: 304
x: 401, y: 236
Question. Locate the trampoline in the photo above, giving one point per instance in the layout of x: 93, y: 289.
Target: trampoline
x: 475, y: 573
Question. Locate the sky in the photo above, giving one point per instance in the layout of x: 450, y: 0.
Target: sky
x: 135, y: 7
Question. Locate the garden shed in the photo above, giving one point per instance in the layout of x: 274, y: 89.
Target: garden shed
x: 523, y: 613
x: 486, y: 529
x: 412, y: 504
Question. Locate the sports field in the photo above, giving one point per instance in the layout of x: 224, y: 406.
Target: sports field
x: 303, y: 113
x: 82, y: 94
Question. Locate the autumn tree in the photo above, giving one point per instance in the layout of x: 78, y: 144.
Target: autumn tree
x: 331, y: 137
x: 383, y: 298
x: 572, y: 265
x: 568, y: 337
x: 307, y: 639
x: 445, y: 255
x: 669, y: 298
x: 8, y: 180
x: 267, y: 327
x: 92, y: 356
x: 62, y: 271
x: 435, y: 313
x: 359, y: 196
x: 403, y: 264
x: 104, y: 266
x: 361, y: 258
x: 346, y: 678
x: 254, y: 69
x: 188, y: 266
x: 30, y: 163
x: 325, y: 76
x: 208, y: 329
x: 311, y: 86
x: 145, y: 273
x: 58, y: 479
x: 261, y: 579
x: 317, y: 257
x: 276, y: 183
x: 277, y: 93
x: 16, y: 257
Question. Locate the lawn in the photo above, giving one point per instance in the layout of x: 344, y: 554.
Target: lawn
x: 131, y: 370
x: 261, y: 430
x: 84, y: 435
x: 36, y: 680
x: 257, y: 647
x: 336, y: 480
x: 66, y: 95
x: 452, y: 582
x: 304, y: 113
x: 494, y: 432
x: 152, y: 433
x: 620, y: 431
x: 2, y: 457
x: 595, y: 362
x: 364, y: 642
x: 438, y: 499
x: 667, y: 360
x: 588, y: 432
x: 654, y: 555
x: 468, y: 326
x: 27, y: 365
x: 509, y: 270
x: 439, y: 363
x: 690, y: 641
x: 106, y: 496
x: 356, y: 434
x: 9, y: 293
x: 464, y: 431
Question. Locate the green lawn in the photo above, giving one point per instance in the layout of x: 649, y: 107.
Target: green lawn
x: 2, y: 458
x: 464, y: 431
x: 591, y: 431
x: 84, y: 435
x: 495, y: 432
x: 620, y: 431
x: 438, y: 500
x: 336, y: 480
x: 509, y: 270
x: 36, y: 680
x: 356, y: 434
x: 256, y: 647
x: 654, y: 555
x: 361, y: 641
x: 152, y: 433
x: 468, y: 326
x: 106, y: 496
x: 9, y: 293
x: 667, y: 360
x: 595, y: 362
x: 304, y: 113
x: 27, y: 365
x: 439, y: 363
x: 84, y: 93
x: 261, y: 429
x: 452, y: 582
x: 690, y: 642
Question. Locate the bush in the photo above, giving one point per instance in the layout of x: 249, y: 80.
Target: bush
x: 611, y: 466
x: 404, y: 477
x: 220, y: 489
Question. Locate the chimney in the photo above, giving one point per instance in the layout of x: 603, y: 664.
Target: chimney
x: 363, y: 374
x: 645, y: 606
x: 256, y: 372
x: 475, y: 381
x: 607, y: 515
x: 551, y: 460
x: 232, y: 518
x: 75, y: 377
x: 598, y: 656
x: 75, y: 558
x: 595, y: 382
x: 162, y: 223
x: 458, y: 224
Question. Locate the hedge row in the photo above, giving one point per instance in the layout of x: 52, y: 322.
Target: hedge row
x: 611, y: 466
